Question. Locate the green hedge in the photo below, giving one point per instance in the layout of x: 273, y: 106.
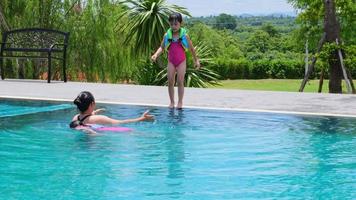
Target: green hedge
x: 231, y: 68
x: 259, y: 69
x: 279, y: 69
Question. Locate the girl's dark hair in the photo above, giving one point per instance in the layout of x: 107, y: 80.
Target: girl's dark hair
x: 175, y: 17
x: 83, y: 101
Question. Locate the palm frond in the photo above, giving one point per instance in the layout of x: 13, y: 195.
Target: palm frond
x: 148, y: 21
x: 202, y: 77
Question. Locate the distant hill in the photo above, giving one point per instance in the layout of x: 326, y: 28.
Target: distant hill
x: 245, y: 15
x: 284, y: 14
x: 278, y: 14
x: 283, y: 22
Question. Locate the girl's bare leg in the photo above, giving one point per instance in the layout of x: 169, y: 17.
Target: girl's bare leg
x: 171, y: 73
x: 180, y: 79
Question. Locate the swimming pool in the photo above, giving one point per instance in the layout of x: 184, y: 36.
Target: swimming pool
x: 189, y: 154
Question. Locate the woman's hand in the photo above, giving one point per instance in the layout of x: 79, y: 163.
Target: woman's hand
x: 95, y: 112
x: 146, y: 116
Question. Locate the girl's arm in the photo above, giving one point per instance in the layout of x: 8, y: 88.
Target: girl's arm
x: 194, y: 54
x: 102, y: 119
x: 159, y: 51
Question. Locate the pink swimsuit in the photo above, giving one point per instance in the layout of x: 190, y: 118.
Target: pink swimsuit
x: 176, y: 53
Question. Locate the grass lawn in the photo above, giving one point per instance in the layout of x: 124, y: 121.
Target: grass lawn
x: 288, y: 85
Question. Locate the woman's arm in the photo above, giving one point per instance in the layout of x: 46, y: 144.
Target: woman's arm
x: 194, y: 54
x: 75, y: 117
x: 102, y: 119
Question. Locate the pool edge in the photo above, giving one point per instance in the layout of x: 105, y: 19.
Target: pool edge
x: 190, y: 107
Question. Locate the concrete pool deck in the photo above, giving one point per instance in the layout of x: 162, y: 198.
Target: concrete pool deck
x: 226, y: 99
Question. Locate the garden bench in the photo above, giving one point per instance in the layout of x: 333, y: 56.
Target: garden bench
x: 35, y: 43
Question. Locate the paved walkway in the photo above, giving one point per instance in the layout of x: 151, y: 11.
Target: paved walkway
x: 281, y: 102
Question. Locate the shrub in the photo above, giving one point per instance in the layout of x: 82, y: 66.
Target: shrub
x: 278, y: 68
x: 231, y: 68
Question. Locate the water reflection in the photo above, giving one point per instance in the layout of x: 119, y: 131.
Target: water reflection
x: 163, y: 154
x: 325, y: 153
x: 327, y: 125
x: 175, y: 144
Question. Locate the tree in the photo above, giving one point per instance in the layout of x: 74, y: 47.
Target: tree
x: 3, y: 23
x: 202, y: 77
x: 93, y: 53
x: 332, y: 30
x: 270, y: 29
x: 147, y: 22
x: 225, y: 21
x: 311, y: 17
x: 259, y: 41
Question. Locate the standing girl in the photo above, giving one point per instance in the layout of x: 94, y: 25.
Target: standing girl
x: 176, y: 42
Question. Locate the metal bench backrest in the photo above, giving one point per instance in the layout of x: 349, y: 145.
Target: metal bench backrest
x: 34, y: 38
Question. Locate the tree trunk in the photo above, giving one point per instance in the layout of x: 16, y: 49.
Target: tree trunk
x: 332, y: 30
x: 321, y: 81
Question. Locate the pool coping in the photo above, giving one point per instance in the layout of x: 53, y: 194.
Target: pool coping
x: 312, y: 104
x: 191, y: 107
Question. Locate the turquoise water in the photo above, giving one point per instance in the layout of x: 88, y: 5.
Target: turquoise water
x: 16, y: 109
x: 189, y: 154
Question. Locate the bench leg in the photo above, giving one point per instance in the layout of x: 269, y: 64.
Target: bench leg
x: 49, y: 67
x: 2, y: 66
x: 64, y: 67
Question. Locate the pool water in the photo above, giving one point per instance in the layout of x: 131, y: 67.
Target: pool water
x: 188, y: 154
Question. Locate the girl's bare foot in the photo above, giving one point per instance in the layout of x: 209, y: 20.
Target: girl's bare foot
x: 179, y: 105
x: 171, y: 105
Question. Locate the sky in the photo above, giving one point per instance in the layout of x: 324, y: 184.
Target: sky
x: 234, y: 7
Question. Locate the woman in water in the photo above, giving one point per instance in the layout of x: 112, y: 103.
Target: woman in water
x: 88, y: 116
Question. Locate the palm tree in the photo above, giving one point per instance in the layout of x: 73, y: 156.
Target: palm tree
x: 148, y: 21
x: 203, y: 77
